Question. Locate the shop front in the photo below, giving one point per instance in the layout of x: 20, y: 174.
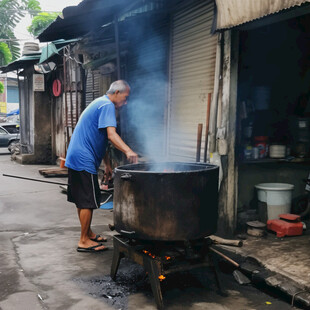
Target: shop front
x: 273, y: 109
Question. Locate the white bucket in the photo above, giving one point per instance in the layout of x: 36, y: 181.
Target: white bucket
x: 277, y: 196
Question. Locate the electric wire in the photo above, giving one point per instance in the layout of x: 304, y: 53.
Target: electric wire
x: 10, y: 40
x: 28, y: 11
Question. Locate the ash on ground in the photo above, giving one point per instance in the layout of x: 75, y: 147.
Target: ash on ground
x: 131, y: 278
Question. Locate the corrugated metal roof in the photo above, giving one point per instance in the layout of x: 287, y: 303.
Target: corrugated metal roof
x: 91, y: 14
x: 53, y: 48
x: 231, y: 13
x: 28, y: 60
x: 79, y: 20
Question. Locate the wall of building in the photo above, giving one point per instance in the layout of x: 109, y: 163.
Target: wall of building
x: 35, y: 125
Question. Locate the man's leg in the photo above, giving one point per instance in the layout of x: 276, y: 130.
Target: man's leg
x: 85, y: 216
x: 90, y: 233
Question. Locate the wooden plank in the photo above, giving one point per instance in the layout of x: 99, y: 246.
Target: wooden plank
x: 54, y: 171
x: 228, y: 192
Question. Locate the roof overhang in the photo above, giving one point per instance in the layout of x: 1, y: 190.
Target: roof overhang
x: 232, y: 13
x: 79, y: 20
x: 54, y: 48
x: 46, y: 53
x: 21, y: 63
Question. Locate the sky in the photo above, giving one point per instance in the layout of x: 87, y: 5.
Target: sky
x: 47, y: 5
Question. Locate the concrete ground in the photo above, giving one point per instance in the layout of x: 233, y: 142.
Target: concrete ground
x: 288, y: 256
x: 41, y: 269
x: 285, y: 262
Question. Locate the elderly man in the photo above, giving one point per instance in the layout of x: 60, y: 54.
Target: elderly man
x: 87, y: 147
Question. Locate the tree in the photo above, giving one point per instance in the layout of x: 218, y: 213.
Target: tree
x: 11, y: 12
x: 1, y: 88
x: 5, y: 54
x: 40, y: 22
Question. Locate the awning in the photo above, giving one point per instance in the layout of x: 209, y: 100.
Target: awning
x: 14, y: 112
x: 21, y: 63
x: 79, y: 20
x: 47, y: 52
x: 231, y: 13
x: 54, y: 48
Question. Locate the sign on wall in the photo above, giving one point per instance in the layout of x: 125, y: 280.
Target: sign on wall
x: 2, y: 107
x: 38, y: 82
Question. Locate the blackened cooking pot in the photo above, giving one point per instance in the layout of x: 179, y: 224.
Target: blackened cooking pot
x: 166, y: 201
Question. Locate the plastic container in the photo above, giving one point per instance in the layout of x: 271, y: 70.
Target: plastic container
x: 262, y: 143
x: 248, y: 152
x: 62, y: 162
x: 277, y: 151
x: 277, y: 196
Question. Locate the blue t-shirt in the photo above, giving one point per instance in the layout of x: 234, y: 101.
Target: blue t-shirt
x: 89, y: 139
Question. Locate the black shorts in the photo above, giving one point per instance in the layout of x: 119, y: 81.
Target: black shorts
x: 83, y: 189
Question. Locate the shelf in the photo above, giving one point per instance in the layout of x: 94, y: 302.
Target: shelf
x: 276, y: 160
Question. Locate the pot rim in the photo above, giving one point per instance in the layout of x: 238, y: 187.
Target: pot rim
x: 206, y: 167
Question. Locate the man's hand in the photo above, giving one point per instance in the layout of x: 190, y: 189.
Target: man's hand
x: 132, y: 157
x: 108, y: 169
x: 107, y: 174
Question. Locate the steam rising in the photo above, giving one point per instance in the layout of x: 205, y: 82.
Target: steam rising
x: 145, y: 113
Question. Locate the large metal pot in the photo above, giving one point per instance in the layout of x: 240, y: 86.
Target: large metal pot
x: 166, y: 201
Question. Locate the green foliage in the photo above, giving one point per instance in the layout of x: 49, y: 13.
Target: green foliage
x: 11, y: 12
x: 40, y: 22
x: 33, y: 7
x: 1, y: 88
x: 5, y: 54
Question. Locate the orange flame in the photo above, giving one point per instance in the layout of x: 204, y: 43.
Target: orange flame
x: 161, y: 277
x: 149, y: 254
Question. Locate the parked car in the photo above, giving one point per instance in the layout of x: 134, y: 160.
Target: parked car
x: 9, y: 134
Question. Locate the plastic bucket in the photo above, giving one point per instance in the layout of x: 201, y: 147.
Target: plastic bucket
x: 277, y: 196
x: 62, y: 162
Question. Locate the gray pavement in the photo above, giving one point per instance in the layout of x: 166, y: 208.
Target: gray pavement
x: 41, y: 269
x: 283, y: 262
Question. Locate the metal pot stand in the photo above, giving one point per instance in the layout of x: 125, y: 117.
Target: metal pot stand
x: 162, y: 258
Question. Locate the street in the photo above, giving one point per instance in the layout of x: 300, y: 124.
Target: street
x: 41, y: 269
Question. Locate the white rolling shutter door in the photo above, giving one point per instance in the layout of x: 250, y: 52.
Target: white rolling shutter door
x: 193, y: 52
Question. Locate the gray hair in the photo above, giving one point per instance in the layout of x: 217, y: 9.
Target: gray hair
x: 120, y: 85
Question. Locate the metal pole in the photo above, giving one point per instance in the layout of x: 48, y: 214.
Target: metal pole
x: 118, y: 61
x: 76, y: 95
x: 198, y: 148
x: 30, y: 179
x: 66, y: 102
x: 207, y: 129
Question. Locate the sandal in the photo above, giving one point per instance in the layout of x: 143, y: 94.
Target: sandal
x: 97, y: 239
x: 92, y: 249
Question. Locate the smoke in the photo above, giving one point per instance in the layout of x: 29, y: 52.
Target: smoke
x: 145, y: 113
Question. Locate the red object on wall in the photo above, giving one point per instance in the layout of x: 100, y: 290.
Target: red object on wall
x: 288, y: 225
x: 57, y: 88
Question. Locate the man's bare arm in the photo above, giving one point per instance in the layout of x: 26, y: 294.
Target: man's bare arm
x: 121, y: 145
